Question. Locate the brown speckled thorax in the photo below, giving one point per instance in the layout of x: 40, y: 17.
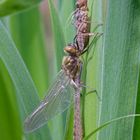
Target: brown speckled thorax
x: 71, y: 65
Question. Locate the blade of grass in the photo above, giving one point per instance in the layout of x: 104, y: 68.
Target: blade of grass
x: 30, y: 40
x: 9, y: 117
x: 66, y: 11
x: 120, y: 68
x: 58, y: 34
x: 92, y: 70
x: 26, y: 92
x: 69, y: 125
x: 110, y: 122
x: 136, y: 134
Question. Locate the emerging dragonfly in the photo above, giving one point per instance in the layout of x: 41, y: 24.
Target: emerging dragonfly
x: 60, y: 96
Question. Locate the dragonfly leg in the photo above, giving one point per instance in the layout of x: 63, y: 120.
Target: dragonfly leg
x: 91, y: 92
x: 97, y: 26
x: 81, y: 66
x: 93, y: 50
x: 93, y: 22
x: 84, y: 25
x: 94, y: 91
x: 70, y: 18
x: 96, y: 36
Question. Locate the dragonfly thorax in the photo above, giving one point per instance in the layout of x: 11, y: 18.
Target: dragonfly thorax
x: 71, y: 66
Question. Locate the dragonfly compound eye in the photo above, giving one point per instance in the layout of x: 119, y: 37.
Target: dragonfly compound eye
x: 70, y: 50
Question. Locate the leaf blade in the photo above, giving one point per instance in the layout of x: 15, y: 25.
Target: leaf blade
x: 120, y: 69
x: 26, y: 92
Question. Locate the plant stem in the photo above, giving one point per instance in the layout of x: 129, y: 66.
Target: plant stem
x: 77, y: 116
x: 84, y: 95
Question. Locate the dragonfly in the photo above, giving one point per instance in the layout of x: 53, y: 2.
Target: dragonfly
x: 60, y: 95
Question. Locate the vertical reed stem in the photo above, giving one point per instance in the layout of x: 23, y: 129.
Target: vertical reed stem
x: 77, y: 116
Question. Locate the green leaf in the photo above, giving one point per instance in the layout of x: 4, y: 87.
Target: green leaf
x: 58, y: 34
x: 26, y: 92
x: 30, y: 41
x: 12, y: 6
x: 120, y: 68
x: 136, y: 134
x: 9, y: 117
x: 65, y: 13
x: 69, y: 124
x: 91, y: 71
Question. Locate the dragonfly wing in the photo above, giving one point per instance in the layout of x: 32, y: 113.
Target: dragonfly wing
x: 59, y: 98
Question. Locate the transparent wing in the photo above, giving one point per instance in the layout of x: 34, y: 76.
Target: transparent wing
x: 59, y: 98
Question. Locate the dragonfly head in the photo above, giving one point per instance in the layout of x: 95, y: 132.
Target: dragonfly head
x: 81, y: 3
x: 71, y: 49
